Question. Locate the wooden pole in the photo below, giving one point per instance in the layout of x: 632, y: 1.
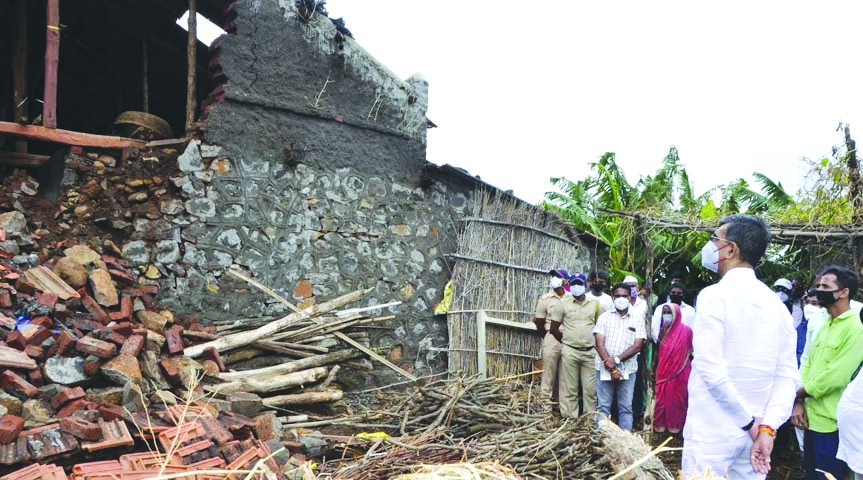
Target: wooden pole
x: 191, y: 62
x: 145, y: 75
x: 52, y: 59
x: 855, y: 193
x: 19, y: 70
x: 341, y: 335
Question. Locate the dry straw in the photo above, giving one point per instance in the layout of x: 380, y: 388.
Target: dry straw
x: 462, y: 471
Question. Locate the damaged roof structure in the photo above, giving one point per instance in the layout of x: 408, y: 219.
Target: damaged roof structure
x: 220, y: 231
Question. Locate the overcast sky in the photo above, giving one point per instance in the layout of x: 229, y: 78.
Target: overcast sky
x: 524, y: 94
x: 523, y: 91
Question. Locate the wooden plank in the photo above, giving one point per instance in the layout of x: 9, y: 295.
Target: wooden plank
x: 509, y: 323
x: 22, y: 159
x: 67, y: 137
x: 19, y: 67
x: 52, y: 60
x: 481, y: 358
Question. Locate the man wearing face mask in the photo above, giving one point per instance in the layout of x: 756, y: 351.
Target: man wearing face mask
x: 597, y: 281
x: 637, y: 305
x: 676, y: 293
x: 836, y: 354
x: 619, y: 336
x: 782, y: 288
x: 744, y: 369
x: 577, y: 317
x: 551, y: 345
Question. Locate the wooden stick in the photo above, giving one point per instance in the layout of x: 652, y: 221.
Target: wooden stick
x: 299, y: 398
x: 270, y: 384
x: 52, y: 59
x: 242, y: 339
x: 294, y: 366
x: 19, y: 68
x: 331, y: 377
x: 341, y: 335
x: 191, y: 65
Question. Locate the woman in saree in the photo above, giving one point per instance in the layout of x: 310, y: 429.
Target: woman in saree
x: 674, y: 364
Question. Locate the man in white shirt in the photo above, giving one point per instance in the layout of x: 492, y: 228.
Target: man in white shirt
x: 676, y: 293
x: 744, y: 373
x: 619, y: 336
x: 598, y: 280
x: 638, y: 306
x: 849, y: 416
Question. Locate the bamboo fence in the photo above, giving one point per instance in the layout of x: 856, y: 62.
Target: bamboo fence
x: 505, y: 253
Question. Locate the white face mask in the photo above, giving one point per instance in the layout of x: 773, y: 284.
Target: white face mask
x: 782, y: 296
x: 667, y: 318
x: 576, y: 290
x: 621, y: 303
x: 555, y: 282
x: 710, y: 257
x: 811, y: 311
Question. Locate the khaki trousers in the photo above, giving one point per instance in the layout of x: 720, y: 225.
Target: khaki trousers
x: 577, y: 368
x: 550, y: 367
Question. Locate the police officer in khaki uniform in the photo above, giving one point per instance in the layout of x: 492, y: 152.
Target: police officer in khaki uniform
x: 551, y: 346
x: 572, y: 320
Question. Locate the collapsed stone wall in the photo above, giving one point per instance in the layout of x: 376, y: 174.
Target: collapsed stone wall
x: 311, y: 236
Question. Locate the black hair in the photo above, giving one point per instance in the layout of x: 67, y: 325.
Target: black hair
x: 677, y: 275
x: 844, y: 277
x: 621, y: 285
x: 750, y: 234
x: 677, y: 285
x: 597, y: 274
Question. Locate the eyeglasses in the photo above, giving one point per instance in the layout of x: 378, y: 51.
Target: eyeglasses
x: 714, y: 238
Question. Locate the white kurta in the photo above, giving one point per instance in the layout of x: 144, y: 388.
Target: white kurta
x: 744, y: 366
x: 849, y: 416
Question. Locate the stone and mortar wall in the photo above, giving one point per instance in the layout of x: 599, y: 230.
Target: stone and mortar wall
x: 311, y: 235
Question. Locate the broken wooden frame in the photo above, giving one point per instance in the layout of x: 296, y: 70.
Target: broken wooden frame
x: 482, y: 322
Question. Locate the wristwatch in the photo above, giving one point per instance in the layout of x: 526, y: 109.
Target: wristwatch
x: 617, y: 360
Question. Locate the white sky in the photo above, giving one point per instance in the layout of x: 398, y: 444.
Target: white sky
x: 523, y: 91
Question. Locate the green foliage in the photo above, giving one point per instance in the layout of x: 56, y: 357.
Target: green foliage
x: 593, y: 204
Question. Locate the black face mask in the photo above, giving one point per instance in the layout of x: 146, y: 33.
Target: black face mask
x: 597, y: 287
x: 675, y: 298
x: 825, y: 297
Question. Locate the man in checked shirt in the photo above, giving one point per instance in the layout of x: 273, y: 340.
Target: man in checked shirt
x: 619, y: 336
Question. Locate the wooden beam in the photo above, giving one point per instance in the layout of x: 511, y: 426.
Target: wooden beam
x: 481, y: 356
x: 17, y: 159
x: 66, y: 137
x: 52, y: 59
x: 19, y: 69
x: 145, y: 74
x: 191, y: 60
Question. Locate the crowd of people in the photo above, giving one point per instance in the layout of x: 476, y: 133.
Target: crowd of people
x: 728, y: 372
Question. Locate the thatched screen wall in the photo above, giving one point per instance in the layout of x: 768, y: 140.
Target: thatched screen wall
x: 505, y: 253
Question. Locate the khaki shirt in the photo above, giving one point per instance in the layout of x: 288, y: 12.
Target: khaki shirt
x: 578, y: 320
x: 546, y: 303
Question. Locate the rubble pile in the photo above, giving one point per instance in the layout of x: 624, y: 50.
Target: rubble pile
x: 96, y: 377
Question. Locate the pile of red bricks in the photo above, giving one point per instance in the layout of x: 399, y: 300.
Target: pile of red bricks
x: 93, y: 371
